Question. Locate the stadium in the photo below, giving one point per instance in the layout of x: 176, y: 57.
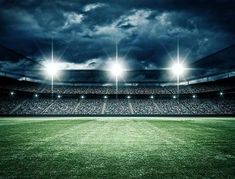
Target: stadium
x: 111, y: 115
x: 207, y: 94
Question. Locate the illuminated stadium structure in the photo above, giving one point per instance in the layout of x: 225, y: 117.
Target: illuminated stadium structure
x: 117, y: 89
x: 143, y: 92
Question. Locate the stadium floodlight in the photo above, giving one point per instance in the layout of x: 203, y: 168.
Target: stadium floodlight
x: 117, y: 70
x: 52, y: 69
x: 178, y: 69
x: 105, y: 97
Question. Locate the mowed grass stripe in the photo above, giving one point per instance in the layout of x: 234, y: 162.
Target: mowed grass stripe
x: 206, y: 141
x: 117, y: 149
x: 28, y: 136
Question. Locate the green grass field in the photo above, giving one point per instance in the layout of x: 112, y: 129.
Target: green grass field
x: 136, y: 148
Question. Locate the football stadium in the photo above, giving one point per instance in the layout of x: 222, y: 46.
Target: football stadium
x: 138, y: 94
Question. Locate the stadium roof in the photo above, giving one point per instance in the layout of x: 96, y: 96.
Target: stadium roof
x: 223, y: 59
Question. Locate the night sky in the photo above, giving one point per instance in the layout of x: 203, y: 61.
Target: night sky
x: 85, y: 32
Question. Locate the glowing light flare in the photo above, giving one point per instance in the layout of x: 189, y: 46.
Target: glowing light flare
x: 105, y: 97
x: 178, y: 69
x: 52, y: 69
x: 116, y: 70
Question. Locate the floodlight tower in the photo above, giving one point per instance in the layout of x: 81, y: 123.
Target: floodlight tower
x: 178, y: 69
x: 116, y: 70
x: 51, y: 68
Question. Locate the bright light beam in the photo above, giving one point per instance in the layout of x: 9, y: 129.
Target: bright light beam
x: 178, y: 68
x: 52, y: 68
x: 52, y: 71
x: 116, y: 69
x: 52, y: 65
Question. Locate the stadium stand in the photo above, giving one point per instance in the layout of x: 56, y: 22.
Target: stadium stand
x: 70, y: 106
x: 89, y: 107
x: 211, y: 98
x: 173, y: 106
x: 34, y: 106
x: 117, y: 106
x: 8, y: 104
x: 25, y: 86
x: 200, y: 106
x: 226, y: 106
x: 61, y: 106
x: 145, y: 106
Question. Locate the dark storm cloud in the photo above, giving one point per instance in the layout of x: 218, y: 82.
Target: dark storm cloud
x: 85, y: 33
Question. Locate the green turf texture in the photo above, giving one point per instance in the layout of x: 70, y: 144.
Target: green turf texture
x: 36, y: 148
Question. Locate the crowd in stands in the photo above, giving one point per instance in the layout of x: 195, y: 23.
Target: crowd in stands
x: 89, y: 107
x: 201, y: 106
x: 117, y: 106
x: 34, y: 106
x: 172, y: 106
x: 144, y: 106
x: 61, y: 106
x: 69, y: 106
x: 8, y: 104
x: 226, y: 106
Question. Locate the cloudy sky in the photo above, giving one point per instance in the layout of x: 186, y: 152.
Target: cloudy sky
x: 85, y: 32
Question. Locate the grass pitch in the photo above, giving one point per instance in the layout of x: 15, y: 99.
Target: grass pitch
x: 35, y: 148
